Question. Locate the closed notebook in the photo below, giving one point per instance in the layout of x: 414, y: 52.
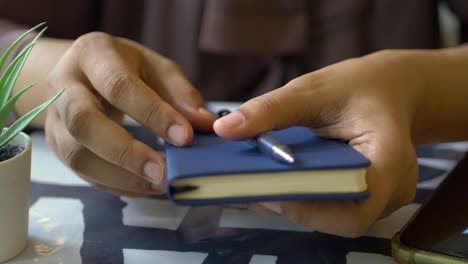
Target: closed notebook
x: 217, y: 171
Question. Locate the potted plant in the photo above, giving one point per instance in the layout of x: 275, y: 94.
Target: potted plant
x: 15, y: 153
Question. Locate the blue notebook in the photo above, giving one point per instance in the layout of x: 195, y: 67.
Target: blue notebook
x: 217, y: 171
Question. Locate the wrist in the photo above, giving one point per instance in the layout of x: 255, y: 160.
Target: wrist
x: 43, y: 57
x: 400, y: 75
x: 441, y: 108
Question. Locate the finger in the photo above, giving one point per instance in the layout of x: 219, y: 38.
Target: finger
x: 300, y: 102
x: 49, y: 128
x: 346, y: 218
x: 64, y: 147
x: 102, y: 138
x: 89, y: 167
x: 106, y: 139
x: 353, y: 218
x: 116, y: 78
x: 117, y: 192
x: 169, y: 81
x: 140, y: 188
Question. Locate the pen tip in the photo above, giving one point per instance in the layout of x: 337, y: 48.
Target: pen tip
x: 289, y: 159
x: 283, y: 154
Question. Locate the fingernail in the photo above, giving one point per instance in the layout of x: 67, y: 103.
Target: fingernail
x: 153, y: 172
x: 275, y: 207
x: 232, y: 120
x: 177, y: 134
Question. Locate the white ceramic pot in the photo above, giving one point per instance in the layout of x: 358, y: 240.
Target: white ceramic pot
x: 15, y: 175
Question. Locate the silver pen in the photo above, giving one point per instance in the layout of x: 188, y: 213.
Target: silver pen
x: 272, y: 147
x: 269, y: 145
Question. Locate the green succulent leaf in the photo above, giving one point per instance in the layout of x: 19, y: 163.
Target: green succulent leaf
x: 10, y: 68
x: 8, y: 84
x: 8, y: 107
x: 17, y: 41
x: 8, y: 81
x: 24, y: 121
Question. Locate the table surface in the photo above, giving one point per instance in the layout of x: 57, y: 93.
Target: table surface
x: 71, y: 222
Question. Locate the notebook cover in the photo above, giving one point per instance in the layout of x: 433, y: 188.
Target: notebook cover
x: 211, y: 155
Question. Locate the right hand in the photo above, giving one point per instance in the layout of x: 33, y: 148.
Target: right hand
x: 105, y: 77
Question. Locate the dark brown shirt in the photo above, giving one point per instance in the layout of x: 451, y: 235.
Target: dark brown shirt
x: 236, y: 49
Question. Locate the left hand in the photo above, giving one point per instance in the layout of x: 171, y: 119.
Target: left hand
x: 368, y: 102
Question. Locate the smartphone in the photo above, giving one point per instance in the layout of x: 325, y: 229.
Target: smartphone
x: 438, y: 232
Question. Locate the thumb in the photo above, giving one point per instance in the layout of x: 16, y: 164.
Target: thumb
x: 300, y: 102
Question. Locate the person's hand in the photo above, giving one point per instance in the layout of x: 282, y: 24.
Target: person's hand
x: 105, y: 77
x: 368, y: 102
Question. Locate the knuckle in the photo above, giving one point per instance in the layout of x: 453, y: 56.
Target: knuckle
x: 151, y: 113
x: 385, y: 52
x: 170, y: 67
x: 264, y: 106
x: 306, y: 84
x: 192, y: 93
x: 76, y: 117
x: 55, y: 82
x: 266, y: 103
x: 296, y: 82
x: 121, y: 157
x: 117, y: 86
x: 52, y: 78
x: 50, y: 141
x: 91, y: 39
x: 73, y: 156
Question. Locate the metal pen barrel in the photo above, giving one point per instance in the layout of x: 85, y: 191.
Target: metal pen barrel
x: 268, y: 144
x: 272, y: 147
